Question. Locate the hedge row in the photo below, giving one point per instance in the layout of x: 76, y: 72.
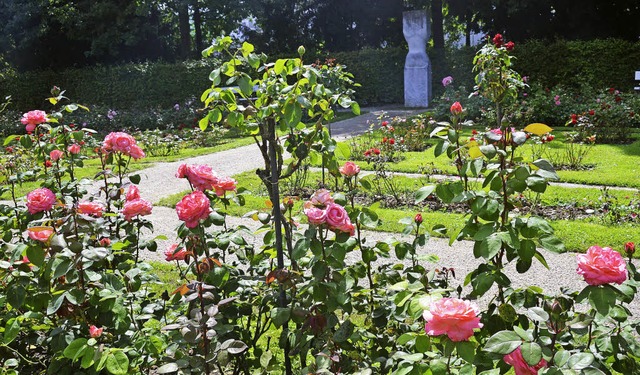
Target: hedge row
x: 598, y: 64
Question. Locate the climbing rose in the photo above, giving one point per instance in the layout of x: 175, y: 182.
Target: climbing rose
x: 39, y: 200
x: 315, y: 215
x: 452, y: 317
x: 41, y: 234
x: 171, y: 253
x: 446, y: 81
x: 74, y: 149
x: 122, y: 142
x: 136, y: 207
x: 520, y: 366
x: 90, y: 208
x: 133, y: 193
x: 225, y: 184
x: 95, y: 332
x: 55, y: 155
x: 350, y: 169
x: 338, y: 219
x: 202, y: 177
x: 602, y: 266
x: 193, y: 208
x: 456, y: 108
x: 32, y: 119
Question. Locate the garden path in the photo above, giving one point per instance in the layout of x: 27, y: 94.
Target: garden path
x: 159, y: 181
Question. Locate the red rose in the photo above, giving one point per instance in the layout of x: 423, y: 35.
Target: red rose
x: 456, y: 108
x: 498, y: 40
x: 510, y: 46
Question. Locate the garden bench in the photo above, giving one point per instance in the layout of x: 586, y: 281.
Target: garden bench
x: 637, y: 88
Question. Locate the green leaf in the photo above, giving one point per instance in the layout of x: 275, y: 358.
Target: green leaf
x: 300, y: 249
x: 280, y: 316
x: 203, y: 123
x: 579, y: 361
x: 246, y: 87
x: 602, y: 299
x: 117, y: 363
x: 355, y: 108
x: 279, y: 66
x: 503, y: 342
x: 552, y: 243
x: 9, y: 139
x: 369, y: 218
x: 16, y: 295
x: 531, y: 352
x: 135, y: 179
x: 36, y: 255
x: 561, y: 357
x: 11, y: 330
x: 466, y: 350
x: 168, y: 368
x: 75, y: 349
x: 344, y: 332
x: 265, y: 359
x: 424, y: 192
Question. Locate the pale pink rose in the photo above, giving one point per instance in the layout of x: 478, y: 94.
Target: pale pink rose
x: 74, y: 149
x: 338, y: 219
x: 133, y: 193
x: 201, y: 177
x: 105, y: 241
x: 193, y: 208
x: 41, y: 199
x: 452, y: 317
x: 136, y: 207
x: 602, y: 266
x: 520, y: 366
x: 90, y: 208
x: 315, y: 215
x: 55, y: 155
x: 32, y: 119
x: 350, y: 169
x: 225, y: 184
x: 122, y: 142
x: 95, y: 332
x: 173, y: 253
x: 41, y: 234
x: 321, y: 198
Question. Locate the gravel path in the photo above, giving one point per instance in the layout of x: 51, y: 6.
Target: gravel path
x: 159, y: 181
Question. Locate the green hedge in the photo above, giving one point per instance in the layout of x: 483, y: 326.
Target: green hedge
x: 597, y: 64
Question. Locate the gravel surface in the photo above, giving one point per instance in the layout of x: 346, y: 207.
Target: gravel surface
x: 160, y: 181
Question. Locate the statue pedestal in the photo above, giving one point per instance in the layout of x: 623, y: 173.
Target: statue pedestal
x: 417, y: 67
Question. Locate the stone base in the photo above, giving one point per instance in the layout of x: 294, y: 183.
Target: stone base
x: 417, y: 87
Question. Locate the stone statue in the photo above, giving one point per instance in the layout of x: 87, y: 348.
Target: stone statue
x: 417, y: 67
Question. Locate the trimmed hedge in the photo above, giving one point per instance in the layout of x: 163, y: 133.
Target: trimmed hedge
x: 597, y: 64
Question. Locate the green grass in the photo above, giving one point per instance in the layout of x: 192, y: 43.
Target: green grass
x: 578, y: 235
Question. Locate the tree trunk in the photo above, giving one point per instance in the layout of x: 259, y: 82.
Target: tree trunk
x: 197, y: 23
x: 184, y: 29
x: 467, y: 28
x: 437, y: 27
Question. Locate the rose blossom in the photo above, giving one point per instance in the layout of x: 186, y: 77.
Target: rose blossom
x: 452, y: 317
x: 32, y: 119
x: 41, y: 234
x: 171, y: 254
x: 105, y: 241
x: 602, y: 266
x: 456, y: 108
x: 350, y: 169
x: 122, y: 142
x: 74, y: 149
x: 630, y: 248
x: 136, y: 207
x: 446, y: 81
x: 321, y: 197
x: 225, y: 184
x: 498, y: 40
x: 418, y: 218
x: 55, y: 155
x: 133, y: 193
x: 39, y: 200
x: 338, y: 219
x: 202, y: 177
x: 520, y: 366
x: 316, y: 216
x: 90, y: 208
x: 95, y: 332
x: 510, y: 46
x: 193, y: 208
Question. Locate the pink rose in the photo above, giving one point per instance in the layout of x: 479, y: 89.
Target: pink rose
x: 446, y: 81
x: 452, y: 317
x: 74, y: 149
x: 173, y: 253
x: 602, y: 266
x: 321, y: 198
x: 90, y: 208
x: 105, y: 241
x: 95, y: 332
x: 55, y: 155
x: 41, y: 234
x: 520, y: 366
x: 201, y: 177
x: 193, y: 208
x: 39, y: 200
x: 338, y: 219
x: 350, y: 169
x: 136, y: 207
x: 315, y: 215
x: 133, y: 193
x: 122, y: 142
x: 32, y: 119
x: 225, y: 184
